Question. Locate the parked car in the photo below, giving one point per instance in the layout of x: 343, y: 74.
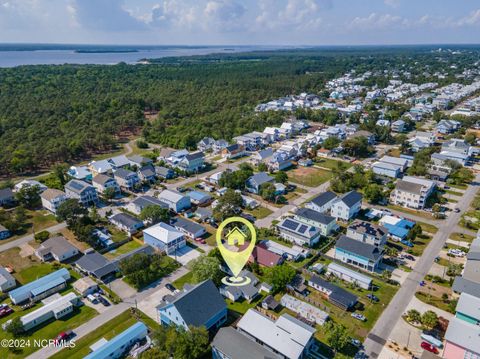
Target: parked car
x: 406, y: 243
x: 457, y: 210
x: 102, y: 300
x: 170, y: 287
x: 4, y: 311
x: 359, y: 317
x: 63, y: 336
x: 181, y: 189
x: 201, y: 240
x: 373, y: 297
x: 92, y: 299
x: 456, y: 252
x: 429, y: 347
x: 356, y: 342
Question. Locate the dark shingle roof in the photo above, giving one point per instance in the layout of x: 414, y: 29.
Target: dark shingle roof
x: 199, y: 304
x: 123, y: 173
x: 315, y: 216
x: 186, y: 225
x: 261, y: 178
x: 338, y: 295
x: 125, y: 219
x: 323, y: 198
x: 97, y: 264
x: 368, y: 228
x: 194, y: 156
x: 363, y: 249
x: 350, y: 198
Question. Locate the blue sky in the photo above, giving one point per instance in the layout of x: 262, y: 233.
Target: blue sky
x: 242, y: 22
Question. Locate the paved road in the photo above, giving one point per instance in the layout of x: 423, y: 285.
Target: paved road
x: 29, y: 237
x: 385, y: 324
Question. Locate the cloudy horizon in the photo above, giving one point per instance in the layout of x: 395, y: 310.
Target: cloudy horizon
x: 235, y: 22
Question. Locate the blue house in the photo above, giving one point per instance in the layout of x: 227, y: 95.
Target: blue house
x: 200, y: 305
x: 118, y: 346
x: 358, y: 254
x: 256, y: 181
x: 4, y: 233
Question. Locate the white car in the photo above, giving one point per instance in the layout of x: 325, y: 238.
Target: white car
x: 359, y: 317
x: 456, y: 252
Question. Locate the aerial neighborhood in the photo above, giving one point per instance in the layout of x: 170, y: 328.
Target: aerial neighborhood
x: 364, y: 199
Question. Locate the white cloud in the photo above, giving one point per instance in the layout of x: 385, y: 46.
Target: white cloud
x: 378, y: 21
x: 392, y: 3
x: 226, y: 15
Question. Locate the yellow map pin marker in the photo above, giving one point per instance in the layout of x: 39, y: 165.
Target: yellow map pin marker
x: 236, y: 260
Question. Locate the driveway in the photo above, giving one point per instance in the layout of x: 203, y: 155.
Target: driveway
x: 185, y: 255
x: 150, y: 303
x: 122, y: 289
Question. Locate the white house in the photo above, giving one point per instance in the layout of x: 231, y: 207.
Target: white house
x: 175, y: 200
x: 7, y: 281
x: 164, y: 237
x: 30, y: 183
x: 102, y: 182
x: 56, y: 248
x: 347, y: 206
x: 52, y: 199
x: 412, y: 192
x: 323, y: 202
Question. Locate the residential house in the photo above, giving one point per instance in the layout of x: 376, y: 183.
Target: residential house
x: 164, y: 172
x: 85, y: 193
x: 298, y: 232
x: 233, y: 151
x: 412, y: 192
x: 100, y: 167
x: 421, y: 140
x: 139, y: 161
x: 279, y: 161
x: 199, y: 198
x: 336, y: 295
x: 367, y: 232
x: 126, y: 223
x: 199, y: 305
x: 6, y: 197
x: 262, y: 156
x: 101, y: 182
x: 147, y: 174
x: 219, y: 145
x: 7, y: 281
x: 248, y: 292
x: 80, y: 173
x: 293, y: 253
x: 126, y: 179
x: 368, y: 135
x: 349, y: 275
x: 264, y: 257
x: 390, y: 166
x: 29, y: 183
x: 232, y: 344
x: 347, y: 206
x: 190, y: 229
x: 4, y: 233
x: 56, y: 248
x: 257, y: 180
x: 120, y: 161
x: 85, y: 286
x: 52, y: 199
x: 164, y: 237
x: 205, y: 144
x: 397, y: 228
x: 398, y: 126
x: 288, y: 337
x: 175, y: 200
x: 447, y: 126
x: 273, y: 133
x: 96, y: 265
x: 359, y: 254
x: 192, y: 162
x: 304, y: 310
x: 119, y: 345
x: 139, y: 203
x: 323, y: 202
x: 324, y: 222
x: 40, y: 288
x: 55, y: 307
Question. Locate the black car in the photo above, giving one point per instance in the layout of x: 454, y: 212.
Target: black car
x: 373, y: 297
x: 170, y: 287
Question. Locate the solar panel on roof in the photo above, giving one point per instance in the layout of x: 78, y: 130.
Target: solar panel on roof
x: 288, y: 223
x: 302, y: 228
x: 76, y: 185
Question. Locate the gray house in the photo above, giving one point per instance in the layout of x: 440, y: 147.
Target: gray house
x: 126, y: 179
x: 257, y: 180
x: 85, y: 193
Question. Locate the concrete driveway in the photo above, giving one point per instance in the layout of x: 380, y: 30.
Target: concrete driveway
x: 185, y: 255
x: 122, y: 289
x: 150, y: 303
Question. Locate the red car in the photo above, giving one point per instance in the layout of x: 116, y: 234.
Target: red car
x: 429, y: 347
x: 201, y: 240
x: 63, y: 336
x: 4, y: 311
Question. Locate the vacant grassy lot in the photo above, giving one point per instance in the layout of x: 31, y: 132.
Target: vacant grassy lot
x: 124, y: 248
x: 109, y: 330
x: 242, y: 306
x: 462, y: 237
x: 430, y: 228
x: 309, y: 176
x: 413, y: 212
x: 331, y: 163
x: 48, y: 330
x: 434, y: 300
x: 259, y: 212
x: 180, y: 282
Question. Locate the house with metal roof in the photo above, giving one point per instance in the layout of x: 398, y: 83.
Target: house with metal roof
x: 257, y: 180
x: 262, y: 156
x: 200, y: 305
x: 175, y: 200
x: 101, y: 166
x: 265, y: 257
x: 164, y: 237
x: 52, y: 199
x: 7, y: 281
x: 324, y: 222
x: 232, y: 344
x: 304, y: 310
x: 468, y: 308
x: 164, y: 172
x: 349, y: 275
x: 96, y: 265
x: 192, y: 162
x: 347, y: 206
x: 463, y: 285
x: 359, y: 254
x: 199, y: 198
x: 383, y: 168
x: 126, y: 179
x: 147, y: 174
x: 126, y: 223
x: 85, y: 193
x: 41, y: 288
x: 119, y: 161
x: 56, y: 307
x: 287, y: 336
x: 190, y: 229
x: 298, y: 232
x: 323, y: 202
x: 293, y: 253
x: 102, y: 182
x: 118, y: 346
x: 139, y: 203
x: 335, y: 294
x: 56, y: 248
x: 139, y: 161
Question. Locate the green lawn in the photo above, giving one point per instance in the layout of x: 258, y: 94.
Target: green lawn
x: 459, y: 186
x: 411, y: 211
x: 124, y: 248
x: 330, y: 163
x: 34, y: 272
x: 259, y: 212
x: 48, y: 330
x: 309, y: 176
x: 459, y: 194
x: 428, y: 227
x: 463, y: 237
x: 433, y: 300
x: 108, y: 330
x: 242, y: 306
x: 186, y: 278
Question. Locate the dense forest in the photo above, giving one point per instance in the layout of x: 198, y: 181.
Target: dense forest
x: 64, y: 113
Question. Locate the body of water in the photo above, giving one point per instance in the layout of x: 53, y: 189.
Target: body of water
x: 12, y: 55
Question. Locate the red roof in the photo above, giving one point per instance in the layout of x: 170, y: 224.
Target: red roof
x: 266, y: 258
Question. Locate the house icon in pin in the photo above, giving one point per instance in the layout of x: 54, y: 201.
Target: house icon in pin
x: 236, y: 235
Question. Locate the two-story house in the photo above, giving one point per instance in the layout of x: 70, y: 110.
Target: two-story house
x: 324, y: 222
x: 126, y: 179
x: 412, y: 192
x: 347, y: 206
x: 52, y: 199
x: 85, y: 193
x: 102, y: 182
x: 193, y: 162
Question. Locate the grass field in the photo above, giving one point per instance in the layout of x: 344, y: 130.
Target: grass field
x: 180, y: 282
x: 36, y: 221
x: 462, y: 237
x: 259, y: 212
x: 309, y: 176
x: 124, y: 248
x: 108, y: 330
x: 411, y: 211
x: 428, y: 227
x: 242, y: 306
x: 330, y: 163
x: 454, y: 193
x: 433, y: 300
x: 49, y: 330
